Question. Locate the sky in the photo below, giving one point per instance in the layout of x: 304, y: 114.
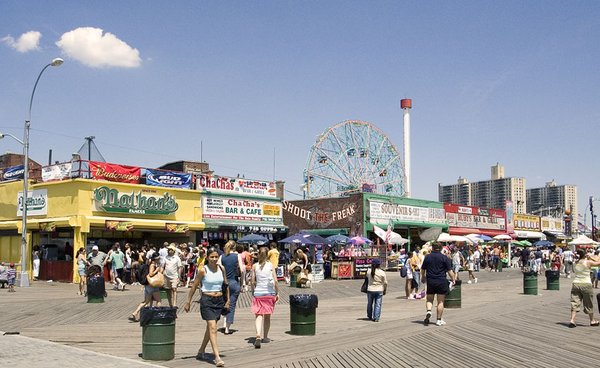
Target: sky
x: 249, y: 85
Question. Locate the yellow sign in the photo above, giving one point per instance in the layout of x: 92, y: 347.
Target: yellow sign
x: 526, y: 222
x: 177, y: 228
x: 118, y: 225
x: 47, y: 227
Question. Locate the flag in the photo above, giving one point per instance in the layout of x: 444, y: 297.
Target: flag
x: 379, y: 232
x: 388, y: 233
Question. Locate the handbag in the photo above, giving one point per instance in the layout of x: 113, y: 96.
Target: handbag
x: 365, y: 285
x: 158, y: 280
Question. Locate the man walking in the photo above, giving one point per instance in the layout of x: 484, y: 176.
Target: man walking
x: 435, y: 267
x: 173, y: 267
x: 97, y: 258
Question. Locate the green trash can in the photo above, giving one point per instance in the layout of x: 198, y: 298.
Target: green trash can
x: 552, y: 280
x: 95, y: 290
x: 293, y: 278
x: 530, y: 283
x: 163, y: 294
x: 158, y: 332
x: 303, y: 314
x: 453, y: 299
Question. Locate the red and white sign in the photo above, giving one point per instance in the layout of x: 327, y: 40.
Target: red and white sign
x: 114, y: 172
x: 475, y: 217
x: 238, y: 186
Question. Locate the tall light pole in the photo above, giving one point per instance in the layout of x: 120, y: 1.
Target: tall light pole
x: 24, y: 277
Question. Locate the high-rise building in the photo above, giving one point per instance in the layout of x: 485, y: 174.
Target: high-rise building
x: 553, y: 200
x: 489, y: 193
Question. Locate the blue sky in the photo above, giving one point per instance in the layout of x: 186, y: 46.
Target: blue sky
x: 511, y: 82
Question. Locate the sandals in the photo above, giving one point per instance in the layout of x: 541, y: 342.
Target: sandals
x: 219, y: 363
x: 594, y: 324
x: 133, y: 318
x: 572, y: 325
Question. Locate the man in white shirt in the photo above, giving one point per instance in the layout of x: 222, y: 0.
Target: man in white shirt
x: 172, y: 270
x: 567, y: 257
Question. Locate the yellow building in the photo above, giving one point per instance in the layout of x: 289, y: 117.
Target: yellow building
x: 68, y: 215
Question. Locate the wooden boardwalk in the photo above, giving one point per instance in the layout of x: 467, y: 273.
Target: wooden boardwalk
x: 497, y: 326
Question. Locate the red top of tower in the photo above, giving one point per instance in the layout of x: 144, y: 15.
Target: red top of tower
x: 406, y: 103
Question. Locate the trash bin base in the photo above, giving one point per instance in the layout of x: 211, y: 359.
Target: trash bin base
x: 301, y: 324
x: 454, y: 298
x: 552, y: 280
x: 158, y: 341
x: 530, y: 284
x: 293, y: 278
x: 95, y: 299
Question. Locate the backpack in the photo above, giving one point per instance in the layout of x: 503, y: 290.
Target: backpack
x: 403, y: 270
x: 142, y: 273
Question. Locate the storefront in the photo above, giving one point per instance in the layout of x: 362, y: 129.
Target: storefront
x: 356, y: 215
x: 64, y: 216
x: 463, y: 220
x: 527, y: 227
x: 234, y: 207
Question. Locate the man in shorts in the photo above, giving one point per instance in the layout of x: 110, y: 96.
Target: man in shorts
x: 173, y: 267
x: 435, y: 267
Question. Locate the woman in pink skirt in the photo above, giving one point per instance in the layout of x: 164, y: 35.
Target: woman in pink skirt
x: 266, y: 294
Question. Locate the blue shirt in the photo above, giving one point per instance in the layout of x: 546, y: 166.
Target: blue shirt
x: 212, y: 281
x: 230, y: 262
x: 437, y: 265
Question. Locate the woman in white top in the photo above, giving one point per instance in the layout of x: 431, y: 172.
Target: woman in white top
x: 36, y: 262
x: 266, y: 294
x: 581, y: 290
x: 376, y: 290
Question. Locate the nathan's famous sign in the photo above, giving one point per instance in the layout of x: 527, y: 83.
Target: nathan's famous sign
x: 140, y: 203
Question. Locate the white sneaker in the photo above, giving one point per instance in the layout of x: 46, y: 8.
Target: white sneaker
x: 450, y: 285
x: 468, y: 282
x: 440, y: 322
x: 476, y: 280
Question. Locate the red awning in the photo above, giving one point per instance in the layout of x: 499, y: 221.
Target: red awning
x: 463, y: 231
x: 493, y: 233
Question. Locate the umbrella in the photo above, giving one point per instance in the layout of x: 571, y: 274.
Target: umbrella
x: 337, y: 239
x: 485, y: 237
x: 446, y: 238
x: 543, y: 243
x: 391, y: 237
x: 583, y: 240
x: 304, y: 238
x: 526, y: 243
x: 430, y: 234
x: 474, y: 238
x: 253, y: 239
x: 503, y: 237
x: 359, y: 240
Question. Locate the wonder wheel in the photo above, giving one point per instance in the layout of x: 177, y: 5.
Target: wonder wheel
x: 353, y: 156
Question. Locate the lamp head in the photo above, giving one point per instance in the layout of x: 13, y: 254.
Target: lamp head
x: 57, y: 62
x: 1, y: 135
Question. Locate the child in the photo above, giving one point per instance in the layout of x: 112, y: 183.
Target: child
x: 12, y: 276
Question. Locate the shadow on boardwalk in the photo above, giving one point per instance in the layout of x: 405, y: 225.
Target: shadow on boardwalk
x: 497, y: 326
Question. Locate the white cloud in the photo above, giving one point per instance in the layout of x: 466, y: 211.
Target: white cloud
x: 91, y: 47
x: 26, y: 42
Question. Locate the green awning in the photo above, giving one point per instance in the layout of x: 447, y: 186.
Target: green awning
x: 327, y: 232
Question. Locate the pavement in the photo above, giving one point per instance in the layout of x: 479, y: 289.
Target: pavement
x: 49, y: 325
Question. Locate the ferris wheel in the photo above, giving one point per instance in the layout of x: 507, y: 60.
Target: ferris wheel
x: 353, y: 156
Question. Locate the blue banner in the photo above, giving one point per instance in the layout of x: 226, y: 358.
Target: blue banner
x: 168, y: 179
x: 13, y: 173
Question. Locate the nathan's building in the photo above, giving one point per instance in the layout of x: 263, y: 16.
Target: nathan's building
x: 129, y: 204
x: 64, y: 216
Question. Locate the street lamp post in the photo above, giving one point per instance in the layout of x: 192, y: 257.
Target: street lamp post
x: 24, y: 277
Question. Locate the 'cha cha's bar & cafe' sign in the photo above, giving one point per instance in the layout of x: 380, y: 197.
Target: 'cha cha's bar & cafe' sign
x: 140, y: 203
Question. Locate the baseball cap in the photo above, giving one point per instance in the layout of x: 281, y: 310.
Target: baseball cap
x: 376, y: 261
x: 95, y: 247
